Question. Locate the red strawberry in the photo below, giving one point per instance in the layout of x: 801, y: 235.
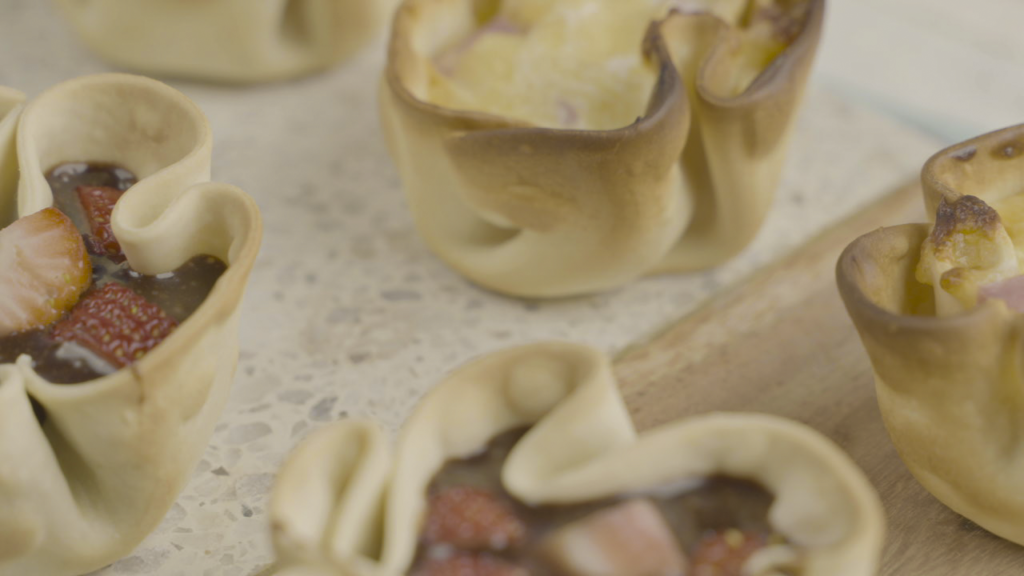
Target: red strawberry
x: 44, y: 268
x: 98, y: 203
x: 465, y: 564
x: 116, y: 324
x: 472, y: 519
x: 724, y: 553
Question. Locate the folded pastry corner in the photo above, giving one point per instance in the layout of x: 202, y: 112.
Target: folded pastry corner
x: 526, y: 462
x: 937, y: 307
x: 235, y: 41
x: 10, y: 100
x: 551, y: 149
x: 123, y: 272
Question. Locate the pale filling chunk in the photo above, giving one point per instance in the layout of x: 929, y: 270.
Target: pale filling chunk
x: 629, y: 539
x: 974, y: 253
x: 578, y: 64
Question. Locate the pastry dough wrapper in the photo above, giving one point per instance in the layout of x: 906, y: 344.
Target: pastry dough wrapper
x: 546, y: 212
x: 87, y: 486
x: 950, y: 387
x: 345, y: 505
x: 236, y: 41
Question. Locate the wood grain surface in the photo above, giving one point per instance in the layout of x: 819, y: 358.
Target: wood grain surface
x: 781, y: 342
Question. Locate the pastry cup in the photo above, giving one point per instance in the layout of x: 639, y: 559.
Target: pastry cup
x: 948, y: 387
x: 344, y: 504
x: 237, y: 41
x: 84, y: 488
x: 544, y: 212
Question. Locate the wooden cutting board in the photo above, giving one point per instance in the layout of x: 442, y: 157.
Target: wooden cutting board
x: 781, y: 342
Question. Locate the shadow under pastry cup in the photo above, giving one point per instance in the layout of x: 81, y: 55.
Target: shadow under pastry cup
x: 949, y: 382
x: 675, y: 174
x: 82, y: 486
x: 345, y: 503
x: 232, y: 41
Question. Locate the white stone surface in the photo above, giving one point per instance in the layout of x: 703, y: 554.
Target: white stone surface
x: 954, y: 68
x: 348, y: 314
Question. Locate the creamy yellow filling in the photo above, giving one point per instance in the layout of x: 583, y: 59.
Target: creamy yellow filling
x: 578, y: 63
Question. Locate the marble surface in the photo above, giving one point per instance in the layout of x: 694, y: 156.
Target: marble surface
x: 349, y: 315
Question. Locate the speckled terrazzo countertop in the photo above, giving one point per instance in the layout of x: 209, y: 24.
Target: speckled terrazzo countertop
x: 348, y: 314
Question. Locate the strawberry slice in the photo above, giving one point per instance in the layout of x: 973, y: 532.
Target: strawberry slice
x: 98, y: 203
x: 464, y: 564
x: 116, y: 324
x: 44, y: 268
x: 631, y: 538
x: 472, y: 519
x: 1009, y: 290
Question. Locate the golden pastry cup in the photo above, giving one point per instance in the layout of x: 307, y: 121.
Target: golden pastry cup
x: 542, y: 212
x: 344, y: 503
x: 233, y: 41
x: 84, y: 488
x: 948, y: 387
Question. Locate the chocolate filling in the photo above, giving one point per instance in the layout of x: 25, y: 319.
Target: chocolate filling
x: 716, y: 512
x: 178, y: 293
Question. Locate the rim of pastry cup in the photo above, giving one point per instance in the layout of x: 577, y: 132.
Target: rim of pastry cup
x: 668, y: 85
x: 225, y: 296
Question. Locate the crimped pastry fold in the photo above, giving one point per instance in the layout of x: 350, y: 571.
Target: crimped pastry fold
x: 344, y: 504
x: 531, y: 208
x: 82, y: 489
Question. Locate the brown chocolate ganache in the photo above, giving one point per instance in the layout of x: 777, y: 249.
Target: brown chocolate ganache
x: 178, y: 294
x: 717, y: 524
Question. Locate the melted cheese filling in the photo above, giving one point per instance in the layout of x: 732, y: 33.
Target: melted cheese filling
x: 579, y: 63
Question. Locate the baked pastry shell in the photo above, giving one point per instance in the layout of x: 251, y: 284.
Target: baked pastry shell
x: 948, y: 387
x: 86, y: 486
x: 543, y: 212
x: 232, y: 41
x: 345, y: 504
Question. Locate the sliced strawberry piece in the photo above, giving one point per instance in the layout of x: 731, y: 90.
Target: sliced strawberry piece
x: 116, y: 324
x: 472, y: 519
x: 467, y: 564
x: 1010, y: 290
x: 98, y: 203
x: 628, y: 539
x: 725, y: 552
x: 44, y: 268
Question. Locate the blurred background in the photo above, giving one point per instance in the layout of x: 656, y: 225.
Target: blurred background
x: 951, y: 68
